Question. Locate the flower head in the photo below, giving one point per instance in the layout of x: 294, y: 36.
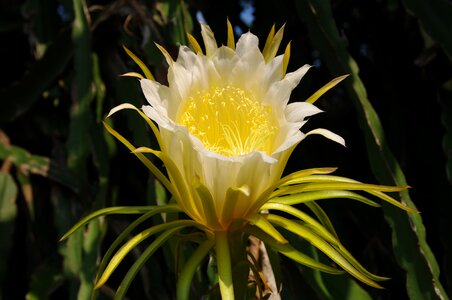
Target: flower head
x: 225, y: 131
x: 225, y: 122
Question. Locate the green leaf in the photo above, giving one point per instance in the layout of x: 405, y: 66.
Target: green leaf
x: 19, y: 98
x: 39, y: 165
x: 412, y: 251
x: 434, y: 16
x: 8, y: 214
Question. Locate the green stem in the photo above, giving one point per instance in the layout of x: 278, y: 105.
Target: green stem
x: 224, y: 265
x: 186, y: 276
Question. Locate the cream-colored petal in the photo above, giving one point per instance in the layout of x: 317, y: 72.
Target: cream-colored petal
x: 247, y: 42
x: 157, y: 116
x: 279, y: 93
x: 274, y: 70
x: 224, y: 60
x: 297, y: 111
x: 151, y: 92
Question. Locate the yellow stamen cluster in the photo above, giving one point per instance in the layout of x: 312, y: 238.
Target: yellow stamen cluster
x: 229, y: 122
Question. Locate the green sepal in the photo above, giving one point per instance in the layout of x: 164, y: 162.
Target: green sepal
x: 307, y: 197
x: 119, y: 210
x: 291, y: 252
x: 336, y: 254
x: 140, y: 63
x: 129, y: 229
x: 133, y: 242
x: 314, y: 224
x: 130, y: 275
x: 325, y: 88
x: 208, y: 203
x: 154, y: 170
x: 261, y: 222
x: 272, y: 44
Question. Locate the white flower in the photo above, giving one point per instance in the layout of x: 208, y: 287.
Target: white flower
x: 225, y: 122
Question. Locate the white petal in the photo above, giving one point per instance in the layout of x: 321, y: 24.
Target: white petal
x: 274, y: 70
x: 246, y: 42
x: 328, y: 134
x: 186, y: 57
x: 224, y: 61
x: 290, y: 138
x: 151, y: 92
x: 296, y: 112
x: 160, y: 118
x: 279, y: 93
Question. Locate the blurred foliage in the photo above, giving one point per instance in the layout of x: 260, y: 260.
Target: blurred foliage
x: 62, y: 62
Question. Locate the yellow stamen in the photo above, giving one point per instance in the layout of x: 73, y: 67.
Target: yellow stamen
x: 229, y: 122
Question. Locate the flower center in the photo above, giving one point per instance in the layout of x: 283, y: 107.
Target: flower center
x: 229, y: 122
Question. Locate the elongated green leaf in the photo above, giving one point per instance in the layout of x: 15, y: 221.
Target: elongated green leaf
x: 78, y: 149
x: 412, y: 251
x: 8, y: 213
x: 39, y: 165
x: 444, y: 96
x: 434, y: 17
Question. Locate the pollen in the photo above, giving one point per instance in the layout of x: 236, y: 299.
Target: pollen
x: 229, y: 121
